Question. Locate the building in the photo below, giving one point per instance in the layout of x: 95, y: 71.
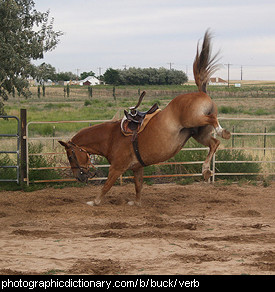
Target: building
x: 90, y: 80
x: 217, y: 81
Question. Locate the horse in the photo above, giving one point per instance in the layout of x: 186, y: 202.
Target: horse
x: 187, y: 115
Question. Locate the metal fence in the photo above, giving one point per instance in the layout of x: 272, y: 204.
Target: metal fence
x: 17, y: 136
x: 215, y: 161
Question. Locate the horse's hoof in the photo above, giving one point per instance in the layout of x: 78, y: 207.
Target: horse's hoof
x: 206, y: 174
x: 226, y: 134
x: 91, y: 203
x: 134, y: 203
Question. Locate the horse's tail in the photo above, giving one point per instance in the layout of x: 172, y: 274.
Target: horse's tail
x: 204, y: 66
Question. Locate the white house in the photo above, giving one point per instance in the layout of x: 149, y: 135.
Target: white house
x: 90, y: 80
x: 217, y: 81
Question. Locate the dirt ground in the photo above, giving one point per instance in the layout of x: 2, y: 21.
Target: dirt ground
x: 192, y: 229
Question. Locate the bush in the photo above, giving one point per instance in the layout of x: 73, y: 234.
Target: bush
x: 228, y: 110
x: 7, y: 173
x: 222, y: 155
x: 40, y: 161
x: 87, y: 102
x: 243, y: 167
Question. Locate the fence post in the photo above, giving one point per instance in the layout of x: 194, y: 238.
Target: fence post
x: 233, y: 137
x: 264, y: 140
x: 23, y: 143
x: 214, y: 164
x: 114, y: 93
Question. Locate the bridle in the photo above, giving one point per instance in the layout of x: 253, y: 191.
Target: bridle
x: 83, y: 170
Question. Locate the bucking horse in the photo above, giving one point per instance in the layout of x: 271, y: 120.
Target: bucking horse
x: 145, y: 138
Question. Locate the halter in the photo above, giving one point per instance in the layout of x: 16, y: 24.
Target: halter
x: 83, y: 170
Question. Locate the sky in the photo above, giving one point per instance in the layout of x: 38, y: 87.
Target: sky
x: 102, y: 34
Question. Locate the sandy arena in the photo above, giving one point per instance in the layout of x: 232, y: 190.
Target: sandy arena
x: 192, y: 229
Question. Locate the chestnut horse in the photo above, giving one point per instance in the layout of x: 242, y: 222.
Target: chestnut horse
x: 188, y: 115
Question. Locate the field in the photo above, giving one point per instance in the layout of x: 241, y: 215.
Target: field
x: 199, y: 228
x: 249, y: 101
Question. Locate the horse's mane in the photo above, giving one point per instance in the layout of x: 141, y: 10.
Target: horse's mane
x: 204, y: 66
x: 98, y: 130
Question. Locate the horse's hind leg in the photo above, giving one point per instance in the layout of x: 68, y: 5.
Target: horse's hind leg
x: 211, y: 119
x: 138, y: 179
x: 222, y: 132
x: 203, y: 136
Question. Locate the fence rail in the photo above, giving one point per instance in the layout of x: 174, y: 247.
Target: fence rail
x: 17, y: 136
x: 214, y: 161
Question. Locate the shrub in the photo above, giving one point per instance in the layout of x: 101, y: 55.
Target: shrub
x: 40, y: 161
x: 7, y: 173
x: 228, y: 110
x: 87, y: 102
x: 222, y: 155
x: 243, y: 167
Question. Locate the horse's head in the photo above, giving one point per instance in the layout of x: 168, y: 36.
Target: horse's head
x: 79, y: 160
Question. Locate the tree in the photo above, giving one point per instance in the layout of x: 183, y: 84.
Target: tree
x: 65, y: 76
x: 84, y: 75
x: 44, y: 72
x: 112, y: 76
x: 25, y: 35
x: 139, y: 76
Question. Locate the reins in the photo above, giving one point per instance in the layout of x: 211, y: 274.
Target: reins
x: 82, y: 169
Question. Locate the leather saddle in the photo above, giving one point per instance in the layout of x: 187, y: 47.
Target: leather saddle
x: 134, y: 119
x: 134, y: 122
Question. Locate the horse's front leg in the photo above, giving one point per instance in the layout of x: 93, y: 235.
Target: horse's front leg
x: 138, y: 179
x: 112, y: 177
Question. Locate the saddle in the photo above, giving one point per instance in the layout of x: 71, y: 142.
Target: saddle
x: 135, y: 121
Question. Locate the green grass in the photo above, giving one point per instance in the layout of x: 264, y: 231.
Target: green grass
x: 245, y: 111
x: 232, y: 102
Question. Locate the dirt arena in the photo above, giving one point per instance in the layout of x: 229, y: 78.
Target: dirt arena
x: 192, y: 229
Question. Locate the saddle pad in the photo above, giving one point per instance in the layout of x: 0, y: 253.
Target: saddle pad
x: 126, y: 131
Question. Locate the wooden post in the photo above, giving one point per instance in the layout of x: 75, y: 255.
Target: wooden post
x: 114, y: 93
x: 213, y: 165
x: 233, y: 137
x: 68, y: 90
x: 23, y: 143
x: 264, y: 140
x: 38, y: 91
x: 43, y: 90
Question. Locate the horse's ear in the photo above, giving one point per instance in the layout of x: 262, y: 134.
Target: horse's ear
x: 63, y: 144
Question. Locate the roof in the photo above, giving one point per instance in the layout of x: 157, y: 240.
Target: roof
x: 89, y: 78
x: 217, y: 80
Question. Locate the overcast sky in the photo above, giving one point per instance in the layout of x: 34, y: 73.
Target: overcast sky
x: 154, y: 33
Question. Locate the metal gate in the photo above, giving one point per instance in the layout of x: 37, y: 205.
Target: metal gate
x: 17, y: 136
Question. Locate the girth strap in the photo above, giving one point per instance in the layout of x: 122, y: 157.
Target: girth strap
x: 135, y: 146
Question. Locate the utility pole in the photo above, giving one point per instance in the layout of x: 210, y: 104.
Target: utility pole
x: 241, y: 72
x: 99, y: 70
x: 77, y: 72
x: 170, y: 65
x: 228, y: 67
x: 125, y: 66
